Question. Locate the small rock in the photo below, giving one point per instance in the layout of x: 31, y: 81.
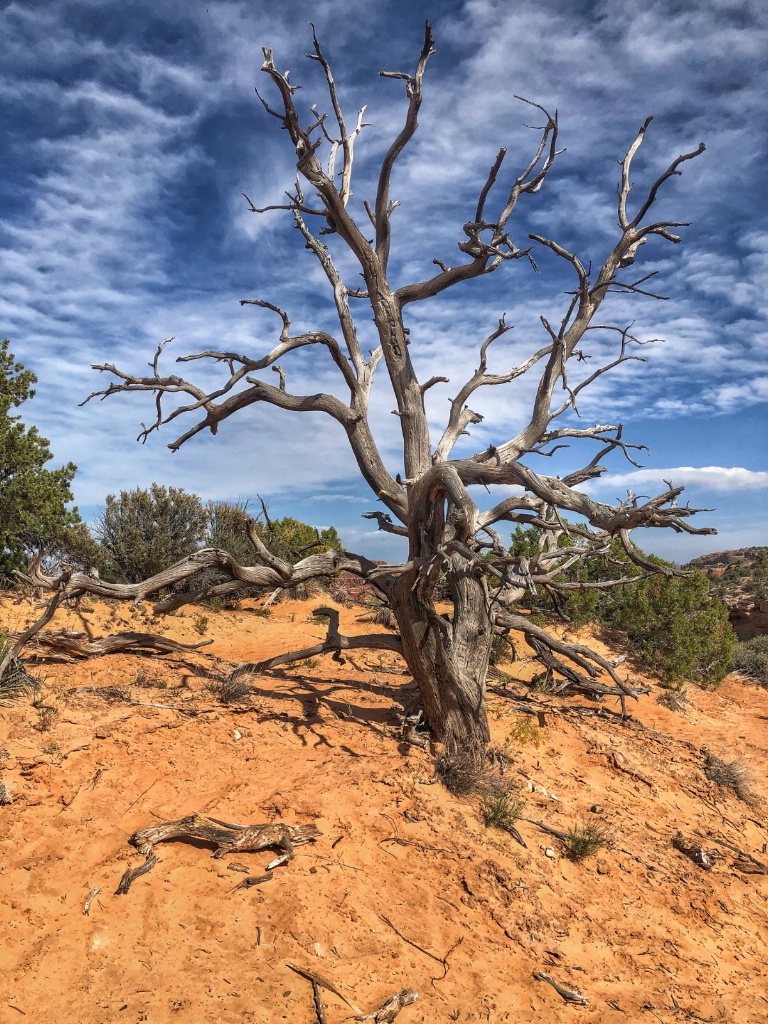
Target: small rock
x: 549, y: 852
x: 103, y: 733
x: 596, y: 809
x: 541, y: 790
x: 603, y: 867
x: 238, y: 735
x: 529, y: 786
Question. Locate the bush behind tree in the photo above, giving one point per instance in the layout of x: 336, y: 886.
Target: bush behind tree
x: 144, y: 531
x: 673, y: 626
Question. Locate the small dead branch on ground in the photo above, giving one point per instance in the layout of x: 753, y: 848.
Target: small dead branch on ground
x: 387, y: 1013
x: 568, y: 994
x: 443, y: 961
x: 318, y: 979
x: 705, y: 859
x: 225, y: 836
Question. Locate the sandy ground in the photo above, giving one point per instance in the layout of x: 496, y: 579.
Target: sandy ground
x: 639, y: 930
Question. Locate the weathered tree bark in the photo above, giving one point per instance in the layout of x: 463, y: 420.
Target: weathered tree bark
x: 450, y: 538
x: 448, y: 655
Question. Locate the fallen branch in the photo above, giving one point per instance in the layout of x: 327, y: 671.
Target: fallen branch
x: 705, y: 859
x: 31, y: 631
x: 387, y: 1013
x: 67, y: 646
x: 252, y: 880
x: 131, y: 874
x: 762, y: 869
x: 91, y: 897
x: 318, y: 1004
x: 334, y: 643
x: 318, y: 979
x: 226, y: 837
x: 568, y: 994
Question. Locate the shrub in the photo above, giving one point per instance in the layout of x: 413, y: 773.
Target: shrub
x: 525, y: 731
x: 750, y: 658
x: 502, y: 806
x: 16, y: 681
x: 231, y: 690
x: 144, y: 531
x: 672, y: 625
x: 581, y: 841
x: 33, y: 500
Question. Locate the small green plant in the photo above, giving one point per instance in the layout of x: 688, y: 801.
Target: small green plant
x: 310, y: 663
x: 525, y: 731
x: 52, y: 749
x: 750, y: 658
x: 582, y: 841
x: 732, y: 775
x: 460, y: 773
x: 46, y: 716
x: 264, y: 613
x: 501, y: 650
x: 218, y: 604
x: 148, y: 681
x: 201, y: 624
x: 502, y: 806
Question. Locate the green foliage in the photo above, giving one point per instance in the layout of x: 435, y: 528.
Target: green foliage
x: 673, y: 627
x: 750, y: 658
x: 287, y: 538
x: 502, y: 806
x: 33, y: 500
x: 144, y: 531
x: 525, y: 731
x: 582, y: 841
x: 201, y: 624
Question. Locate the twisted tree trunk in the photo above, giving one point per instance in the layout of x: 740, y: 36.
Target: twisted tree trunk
x: 448, y: 656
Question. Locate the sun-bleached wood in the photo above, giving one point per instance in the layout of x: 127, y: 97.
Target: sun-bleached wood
x: 452, y: 540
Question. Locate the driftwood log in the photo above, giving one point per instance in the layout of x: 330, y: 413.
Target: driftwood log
x: 225, y: 836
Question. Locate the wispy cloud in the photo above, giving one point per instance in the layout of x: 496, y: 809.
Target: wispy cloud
x: 131, y: 131
x: 714, y: 478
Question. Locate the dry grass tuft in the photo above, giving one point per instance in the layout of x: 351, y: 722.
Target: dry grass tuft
x: 231, y: 690
x: 732, y: 775
x: 460, y: 773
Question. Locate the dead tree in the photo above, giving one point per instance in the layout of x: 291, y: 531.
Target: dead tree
x: 452, y: 540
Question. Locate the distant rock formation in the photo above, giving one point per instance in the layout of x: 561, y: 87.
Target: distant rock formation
x: 740, y: 579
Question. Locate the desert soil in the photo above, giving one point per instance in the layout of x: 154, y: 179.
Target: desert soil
x: 406, y: 888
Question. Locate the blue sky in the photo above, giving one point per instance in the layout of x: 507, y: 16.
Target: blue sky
x: 129, y: 131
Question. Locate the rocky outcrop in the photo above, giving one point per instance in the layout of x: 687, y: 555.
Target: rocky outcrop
x: 740, y: 579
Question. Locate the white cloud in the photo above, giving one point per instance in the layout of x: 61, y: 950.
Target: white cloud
x: 714, y: 478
